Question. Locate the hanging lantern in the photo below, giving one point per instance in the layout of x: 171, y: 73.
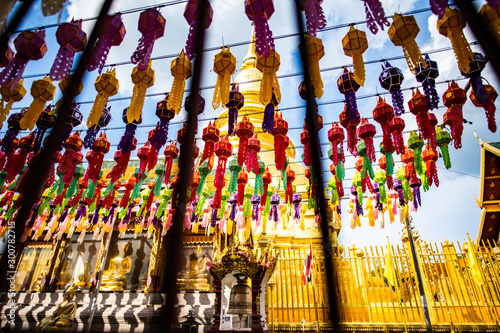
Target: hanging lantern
x: 268, y: 120
x: 211, y: 135
x: 244, y: 131
x: 430, y: 156
x: 112, y: 35
x: 74, y: 120
x: 375, y: 15
x: 386, y: 162
x: 204, y: 170
x: 171, y: 153
x: 181, y: 70
x: 13, y: 131
x: 121, y: 157
x: 29, y: 46
x: 143, y: 78
x: 402, y: 32
x: 454, y: 98
x: 397, y: 128
x: 315, y: 51
x: 348, y: 86
x: 383, y: 114
x: 72, y: 156
x: 45, y: 121
x: 408, y: 159
x: 242, y: 182
x: 235, y: 102
x: 223, y: 150
x: 9, y: 96
x: 7, y: 57
x: 15, y: 162
x: 106, y: 85
x: 416, y: 143
x: 279, y: 132
x: 152, y: 27
x: 42, y: 91
x: 491, y: 16
x: 489, y: 105
x: 305, y: 139
x: 336, y: 137
x: 290, y: 177
x: 364, y: 166
x: 259, y: 12
x: 391, y: 79
x: 432, y: 130
x: 350, y: 124
x: 234, y: 168
x: 427, y: 76
x: 451, y: 26
x: 269, y: 65
x: 355, y: 44
x: 418, y: 106
x: 194, y: 18
x: 72, y: 39
x: 338, y: 171
x: 95, y: 158
x: 104, y: 120
x: 443, y: 140
x: 224, y: 67
x: 267, y: 179
x: 253, y: 150
x: 366, y: 132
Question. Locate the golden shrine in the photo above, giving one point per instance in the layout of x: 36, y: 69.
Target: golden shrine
x: 376, y: 286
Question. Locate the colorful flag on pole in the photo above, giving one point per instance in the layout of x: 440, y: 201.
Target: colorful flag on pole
x: 307, y: 273
x: 474, y: 265
x: 389, y: 272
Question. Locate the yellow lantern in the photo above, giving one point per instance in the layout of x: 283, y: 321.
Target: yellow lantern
x: 492, y: 19
x: 9, y: 97
x: 63, y: 85
x: 42, y: 91
x: 451, y: 26
x: 269, y: 66
x: 402, y: 32
x: 224, y: 66
x: 106, y: 85
x: 181, y: 70
x: 142, y: 81
x: 315, y: 51
x: 354, y: 44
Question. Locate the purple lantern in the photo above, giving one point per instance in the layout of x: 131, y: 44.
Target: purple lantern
x: 427, y: 76
x: 391, y: 79
x: 72, y: 39
x: 94, y: 129
x: 159, y: 138
x: 75, y: 119
x: 29, y: 46
x: 113, y: 35
x: 127, y: 140
x: 259, y: 12
x: 45, y: 121
x: 13, y: 131
x: 236, y: 102
x: 476, y: 66
x: 315, y: 17
x: 152, y: 27
x: 348, y: 86
x: 193, y: 17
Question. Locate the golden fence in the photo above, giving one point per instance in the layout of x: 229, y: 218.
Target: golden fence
x: 462, y: 286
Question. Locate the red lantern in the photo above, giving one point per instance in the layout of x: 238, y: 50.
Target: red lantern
x: 72, y: 156
x: 242, y: 182
x: 290, y: 177
x: 267, y: 179
x: 194, y: 185
x: 305, y: 139
x: 244, y: 131
x: 489, y: 107
x: 72, y: 39
x: 171, y: 153
x: 129, y: 186
x: 101, y: 148
x: 15, y: 161
x: 383, y: 114
x: 211, y: 136
x: 223, y: 150
x: 432, y: 130
x: 350, y: 125
x: 408, y: 157
x: 454, y: 98
x: 430, y: 156
x: 279, y: 132
x: 336, y: 137
x: 143, y: 154
x: 397, y: 128
x: 418, y: 106
x: 366, y: 132
x: 253, y: 149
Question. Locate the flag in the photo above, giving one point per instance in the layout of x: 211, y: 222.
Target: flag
x: 307, y: 273
x: 474, y: 265
x: 389, y: 272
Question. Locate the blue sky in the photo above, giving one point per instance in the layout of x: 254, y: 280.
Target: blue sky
x: 448, y: 212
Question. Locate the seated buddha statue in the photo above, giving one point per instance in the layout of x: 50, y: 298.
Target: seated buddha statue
x: 82, y: 280
x: 63, y: 317
x: 195, y: 275
x: 114, y: 278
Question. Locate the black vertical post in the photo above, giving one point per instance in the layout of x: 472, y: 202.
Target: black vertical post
x: 174, y: 239
x: 312, y: 122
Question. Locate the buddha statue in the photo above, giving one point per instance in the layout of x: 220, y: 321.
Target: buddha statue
x: 82, y: 280
x: 195, y: 274
x: 114, y: 278
x: 63, y: 317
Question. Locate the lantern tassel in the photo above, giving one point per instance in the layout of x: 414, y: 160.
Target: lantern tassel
x: 62, y: 64
x: 413, y: 55
x: 97, y: 109
x: 137, y: 103
x: 375, y: 14
x: 13, y: 72
x: 359, y: 68
x: 175, y: 97
x: 431, y: 94
x: 398, y: 101
x: 5, y: 110
x: 315, y: 17
x: 29, y: 119
x: 268, y: 121
x: 100, y: 54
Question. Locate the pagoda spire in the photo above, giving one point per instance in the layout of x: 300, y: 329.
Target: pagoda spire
x: 250, y: 59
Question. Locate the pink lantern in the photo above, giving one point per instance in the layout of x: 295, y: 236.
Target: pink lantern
x: 193, y: 17
x: 72, y: 39
x: 113, y: 34
x: 259, y: 12
x: 152, y: 27
x: 29, y: 46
